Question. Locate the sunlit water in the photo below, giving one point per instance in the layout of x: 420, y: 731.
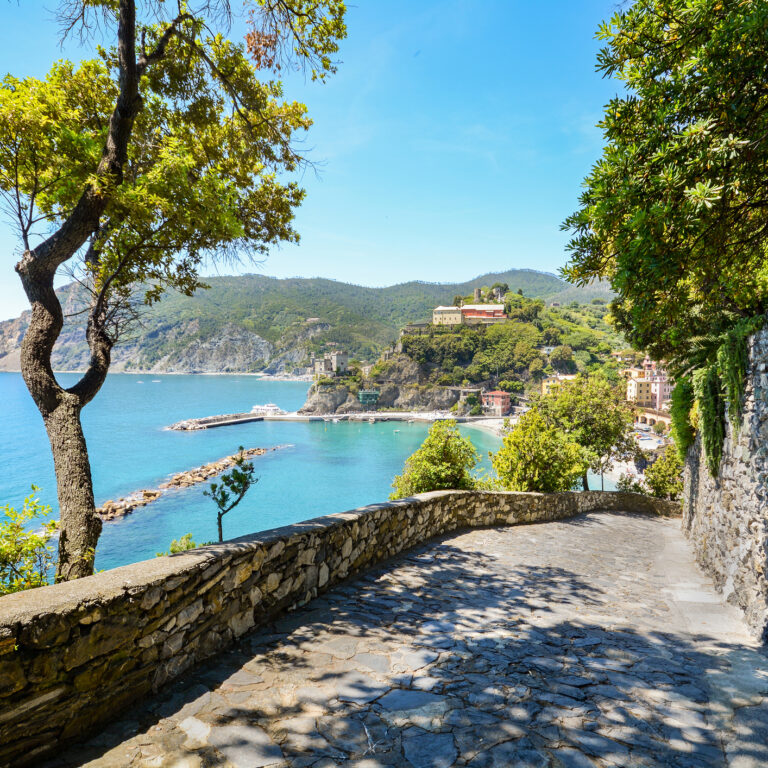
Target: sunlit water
x: 323, y: 467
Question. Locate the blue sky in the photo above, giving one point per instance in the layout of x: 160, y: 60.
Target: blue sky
x: 452, y: 141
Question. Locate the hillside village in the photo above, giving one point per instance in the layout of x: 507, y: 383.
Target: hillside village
x: 648, y: 386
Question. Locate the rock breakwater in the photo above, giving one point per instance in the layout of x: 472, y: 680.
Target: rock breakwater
x: 110, y: 510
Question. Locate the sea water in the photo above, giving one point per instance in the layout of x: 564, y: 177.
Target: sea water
x: 320, y: 467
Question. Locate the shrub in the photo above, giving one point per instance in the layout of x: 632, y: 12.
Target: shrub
x: 26, y: 559
x: 538, y: 457
x: 444, y: 461
x: 664, y: 477
x: 630, y: 484
x: 183, y: 544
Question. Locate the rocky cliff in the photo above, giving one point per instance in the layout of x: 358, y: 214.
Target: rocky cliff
x: 403, y: 387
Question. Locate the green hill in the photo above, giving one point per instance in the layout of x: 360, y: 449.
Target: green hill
x: 254, y: 322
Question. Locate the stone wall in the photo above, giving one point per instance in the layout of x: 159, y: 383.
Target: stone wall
x: 76, y: 654
x: 726, y: 518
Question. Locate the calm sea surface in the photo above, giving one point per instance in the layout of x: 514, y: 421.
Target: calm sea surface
x: 322, y: 468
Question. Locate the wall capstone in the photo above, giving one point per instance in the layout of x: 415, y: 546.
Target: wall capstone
x: 76, y: 654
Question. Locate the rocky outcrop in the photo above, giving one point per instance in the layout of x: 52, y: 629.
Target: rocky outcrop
x: 402, y: 386
x: 75, y: 655
x: 338, y: 398
x: 726, y: 518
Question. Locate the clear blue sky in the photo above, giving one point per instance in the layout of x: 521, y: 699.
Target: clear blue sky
x: 452, y: 141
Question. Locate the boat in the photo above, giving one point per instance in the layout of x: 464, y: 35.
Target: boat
x: 268, y: 409
x: 395, y: 430
x: 336, y: 421
x: 371, y: 420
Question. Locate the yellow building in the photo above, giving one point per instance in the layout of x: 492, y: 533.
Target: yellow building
x: 640, y: 392
x: 447, y: 316
x: 550, y: 382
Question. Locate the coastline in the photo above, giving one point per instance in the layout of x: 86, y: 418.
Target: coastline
x: 306, y: 378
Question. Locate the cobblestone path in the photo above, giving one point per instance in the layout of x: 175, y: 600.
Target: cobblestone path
x: 590, y: 642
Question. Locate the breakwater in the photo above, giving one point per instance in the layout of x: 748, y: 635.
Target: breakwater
x: 110, y: 510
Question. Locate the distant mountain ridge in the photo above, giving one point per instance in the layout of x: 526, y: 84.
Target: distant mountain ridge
x: 251, y: 323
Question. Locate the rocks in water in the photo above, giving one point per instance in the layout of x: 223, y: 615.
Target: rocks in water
x: 110, y: 510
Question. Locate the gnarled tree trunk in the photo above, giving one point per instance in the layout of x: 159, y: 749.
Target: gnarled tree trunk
x: 60, y: 408
x: 80, y: 526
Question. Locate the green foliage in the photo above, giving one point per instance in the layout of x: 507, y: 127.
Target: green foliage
x: 476, y: 410
x: 682, y: 402
x: 562, y: 360
x: 26, y: 559
x: 660, y: 428
x: 535, y: 456
x: 732, y: 361
x: 675, y: 212
x: 711, y: 405
x: 630, y: 484
x: 231, y: 488
x: 203, y: 177
x: 664, y: 477
x: 444, y: 461
x: 593, y: 412
x: 183, y: 544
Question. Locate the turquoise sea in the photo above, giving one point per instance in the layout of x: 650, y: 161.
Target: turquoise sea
x: 322, y: 467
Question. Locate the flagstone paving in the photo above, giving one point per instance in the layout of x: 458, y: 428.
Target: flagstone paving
x: 589, y: 642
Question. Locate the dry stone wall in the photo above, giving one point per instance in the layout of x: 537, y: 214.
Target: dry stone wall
x: 74, y: 655
x: 726, y: 518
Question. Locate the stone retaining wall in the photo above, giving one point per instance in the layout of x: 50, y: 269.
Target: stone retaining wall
x: 76, y: 654
x: 726, y: 518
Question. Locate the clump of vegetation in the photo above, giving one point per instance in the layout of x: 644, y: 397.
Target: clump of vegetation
x: 184, y: 544
x: 664, y: 477
x: 682, y: 429
x: 711, y: 407
x: 444, y: 461
x: 535, y: 456
x: 231, y: 488
x: 26, y: 559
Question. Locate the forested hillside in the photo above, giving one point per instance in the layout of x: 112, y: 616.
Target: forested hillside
x: 253, y: 322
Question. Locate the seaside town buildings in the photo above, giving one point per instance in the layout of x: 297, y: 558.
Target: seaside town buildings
x: 648, y: 386
x: 497, y: 403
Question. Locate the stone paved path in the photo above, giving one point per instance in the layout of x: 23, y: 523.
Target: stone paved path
x: 591, y: 642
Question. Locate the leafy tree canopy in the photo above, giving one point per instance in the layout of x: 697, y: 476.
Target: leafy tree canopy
x: 535, y: 456
x: 444, y: 461
x: 593, y: 412
x: 675, y: 213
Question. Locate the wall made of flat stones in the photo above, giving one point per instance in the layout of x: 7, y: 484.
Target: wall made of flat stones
x: 74, y: 655
x: 726, y: 519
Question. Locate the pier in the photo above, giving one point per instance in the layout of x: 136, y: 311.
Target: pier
x: 225, y: 420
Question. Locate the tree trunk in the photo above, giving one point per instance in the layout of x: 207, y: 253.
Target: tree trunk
x: 79, y: 525
x: 585, y: 481
x: 221, y: 530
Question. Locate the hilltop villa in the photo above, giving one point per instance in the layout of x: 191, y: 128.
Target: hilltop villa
x: 469, y: 314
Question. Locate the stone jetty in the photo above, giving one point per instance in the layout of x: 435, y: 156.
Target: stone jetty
x: 110, y: 510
